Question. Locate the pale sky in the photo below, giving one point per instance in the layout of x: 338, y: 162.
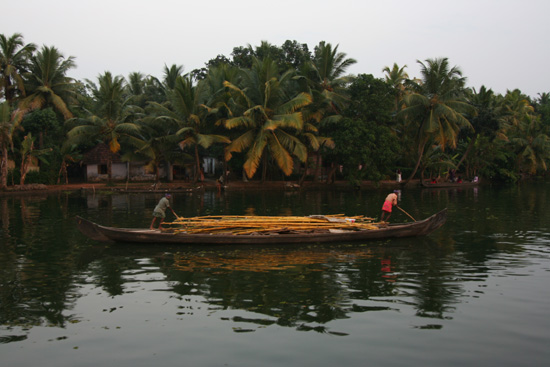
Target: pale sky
x: 502, y: 44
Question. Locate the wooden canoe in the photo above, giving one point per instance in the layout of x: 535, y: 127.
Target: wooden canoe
x: 444, y: 185
x: 112, y: 234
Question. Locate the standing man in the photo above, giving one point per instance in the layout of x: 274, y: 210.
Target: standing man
x: 391, y: 200
x: 160, y: 210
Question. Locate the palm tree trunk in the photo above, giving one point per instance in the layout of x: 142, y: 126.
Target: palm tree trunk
x: 24, y: 169
x: 264, y: 168
x: 197, y: 164
x: 4, y: 170
x: 62, y: 172
x: 109, y: 167
x: 169, y: 172
x: 306, y: 166
x: 332, y: 172
x: 317, y: 166
x: 420, y: 155
x: 472, y: 143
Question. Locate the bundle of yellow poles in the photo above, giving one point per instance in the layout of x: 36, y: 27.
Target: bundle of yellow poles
x: 242, y: 225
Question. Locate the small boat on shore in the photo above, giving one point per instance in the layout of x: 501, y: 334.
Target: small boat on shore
x: 350, y: 233
x: 442, y: 185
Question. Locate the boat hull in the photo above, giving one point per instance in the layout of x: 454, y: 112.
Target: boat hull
x: 445, y: 185
x: 112, y: 234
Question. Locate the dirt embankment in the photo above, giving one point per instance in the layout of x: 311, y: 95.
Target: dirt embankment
x: 187, y: 186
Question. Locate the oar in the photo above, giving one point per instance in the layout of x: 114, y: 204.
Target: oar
x: 410, y: 216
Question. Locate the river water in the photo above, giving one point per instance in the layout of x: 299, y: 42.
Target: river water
x: 475, y: 292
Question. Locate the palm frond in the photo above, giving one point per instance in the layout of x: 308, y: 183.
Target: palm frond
x: 239, y: 144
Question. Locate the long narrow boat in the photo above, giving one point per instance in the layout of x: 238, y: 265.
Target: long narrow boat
x: 111, y: 234
x: 444, y: 185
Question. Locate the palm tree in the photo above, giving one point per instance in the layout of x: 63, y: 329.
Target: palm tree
x: 111, y: 118
x: 28, y: 155
x: 47, y: 83
x: 532, y: 146
x: 485, y: 122
x: 268, y: 109
x: 155, y: 142
x: 513, y: 109
x: 171, y: 74
x: 69, y: 154
x: 396, y: 78
x: 326, y: 82
x: 325, y: 74
x: 310, y: 137
x: 14, y: 59
x: 521, y: 127
x: 136, y: 88
x: 145, y: 88
x: 186, y: 109
x: 6, y: 133
x: 438, y: 110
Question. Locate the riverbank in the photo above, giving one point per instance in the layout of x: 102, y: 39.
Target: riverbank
x: 183, y: 186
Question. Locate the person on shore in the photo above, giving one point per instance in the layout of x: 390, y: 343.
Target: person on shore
x: 219, y: 184
x: 452, y: 175
x: 160, y: 211
x: 389, y: 203
x: 398, y: 178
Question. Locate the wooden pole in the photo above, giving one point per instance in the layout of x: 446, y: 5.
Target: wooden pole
x: 410, y: 216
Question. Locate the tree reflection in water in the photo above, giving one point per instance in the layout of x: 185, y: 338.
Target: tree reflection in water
x: 45, y: 261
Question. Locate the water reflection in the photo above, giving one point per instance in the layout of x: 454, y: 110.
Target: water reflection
x: 46, y: 263
x: 304, y: 288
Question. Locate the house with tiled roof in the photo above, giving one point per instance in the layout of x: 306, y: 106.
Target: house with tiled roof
x: 96, y: 161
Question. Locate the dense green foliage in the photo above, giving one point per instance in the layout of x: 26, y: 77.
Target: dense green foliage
x: 268, y: 112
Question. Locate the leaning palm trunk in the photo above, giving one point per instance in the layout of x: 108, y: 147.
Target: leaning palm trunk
x: 420, y: 155
x: 470, y: 146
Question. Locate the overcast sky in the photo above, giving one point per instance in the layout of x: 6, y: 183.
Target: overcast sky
x: 502, y: 44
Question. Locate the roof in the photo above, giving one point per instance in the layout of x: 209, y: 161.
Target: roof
x: 100, y: 155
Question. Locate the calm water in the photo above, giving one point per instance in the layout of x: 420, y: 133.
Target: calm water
x: 476, y: 292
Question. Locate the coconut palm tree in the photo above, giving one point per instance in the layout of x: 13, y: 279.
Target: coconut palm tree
x: 514, y: 108
x: 47, y: 83
x: 14, y: 60
x: 171, y: 74
x: 485, y: 122
x: 396, y: 78
x: 267, y: 108
x: 7, y: 128
x: 324, y: 78
x: 521, y: 127
x: 532, y: 146
x: 326, y: 75
x: 29, y: 154
x: 69, y: 155
x: 110, y: 119
x: 155, y: 142
x: 187, y: 110
x: 437, y: 111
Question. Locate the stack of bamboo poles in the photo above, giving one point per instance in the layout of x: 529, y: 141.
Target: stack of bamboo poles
x: 257, y: 225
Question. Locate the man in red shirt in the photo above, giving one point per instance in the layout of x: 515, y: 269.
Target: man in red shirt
x: 391, y: 200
